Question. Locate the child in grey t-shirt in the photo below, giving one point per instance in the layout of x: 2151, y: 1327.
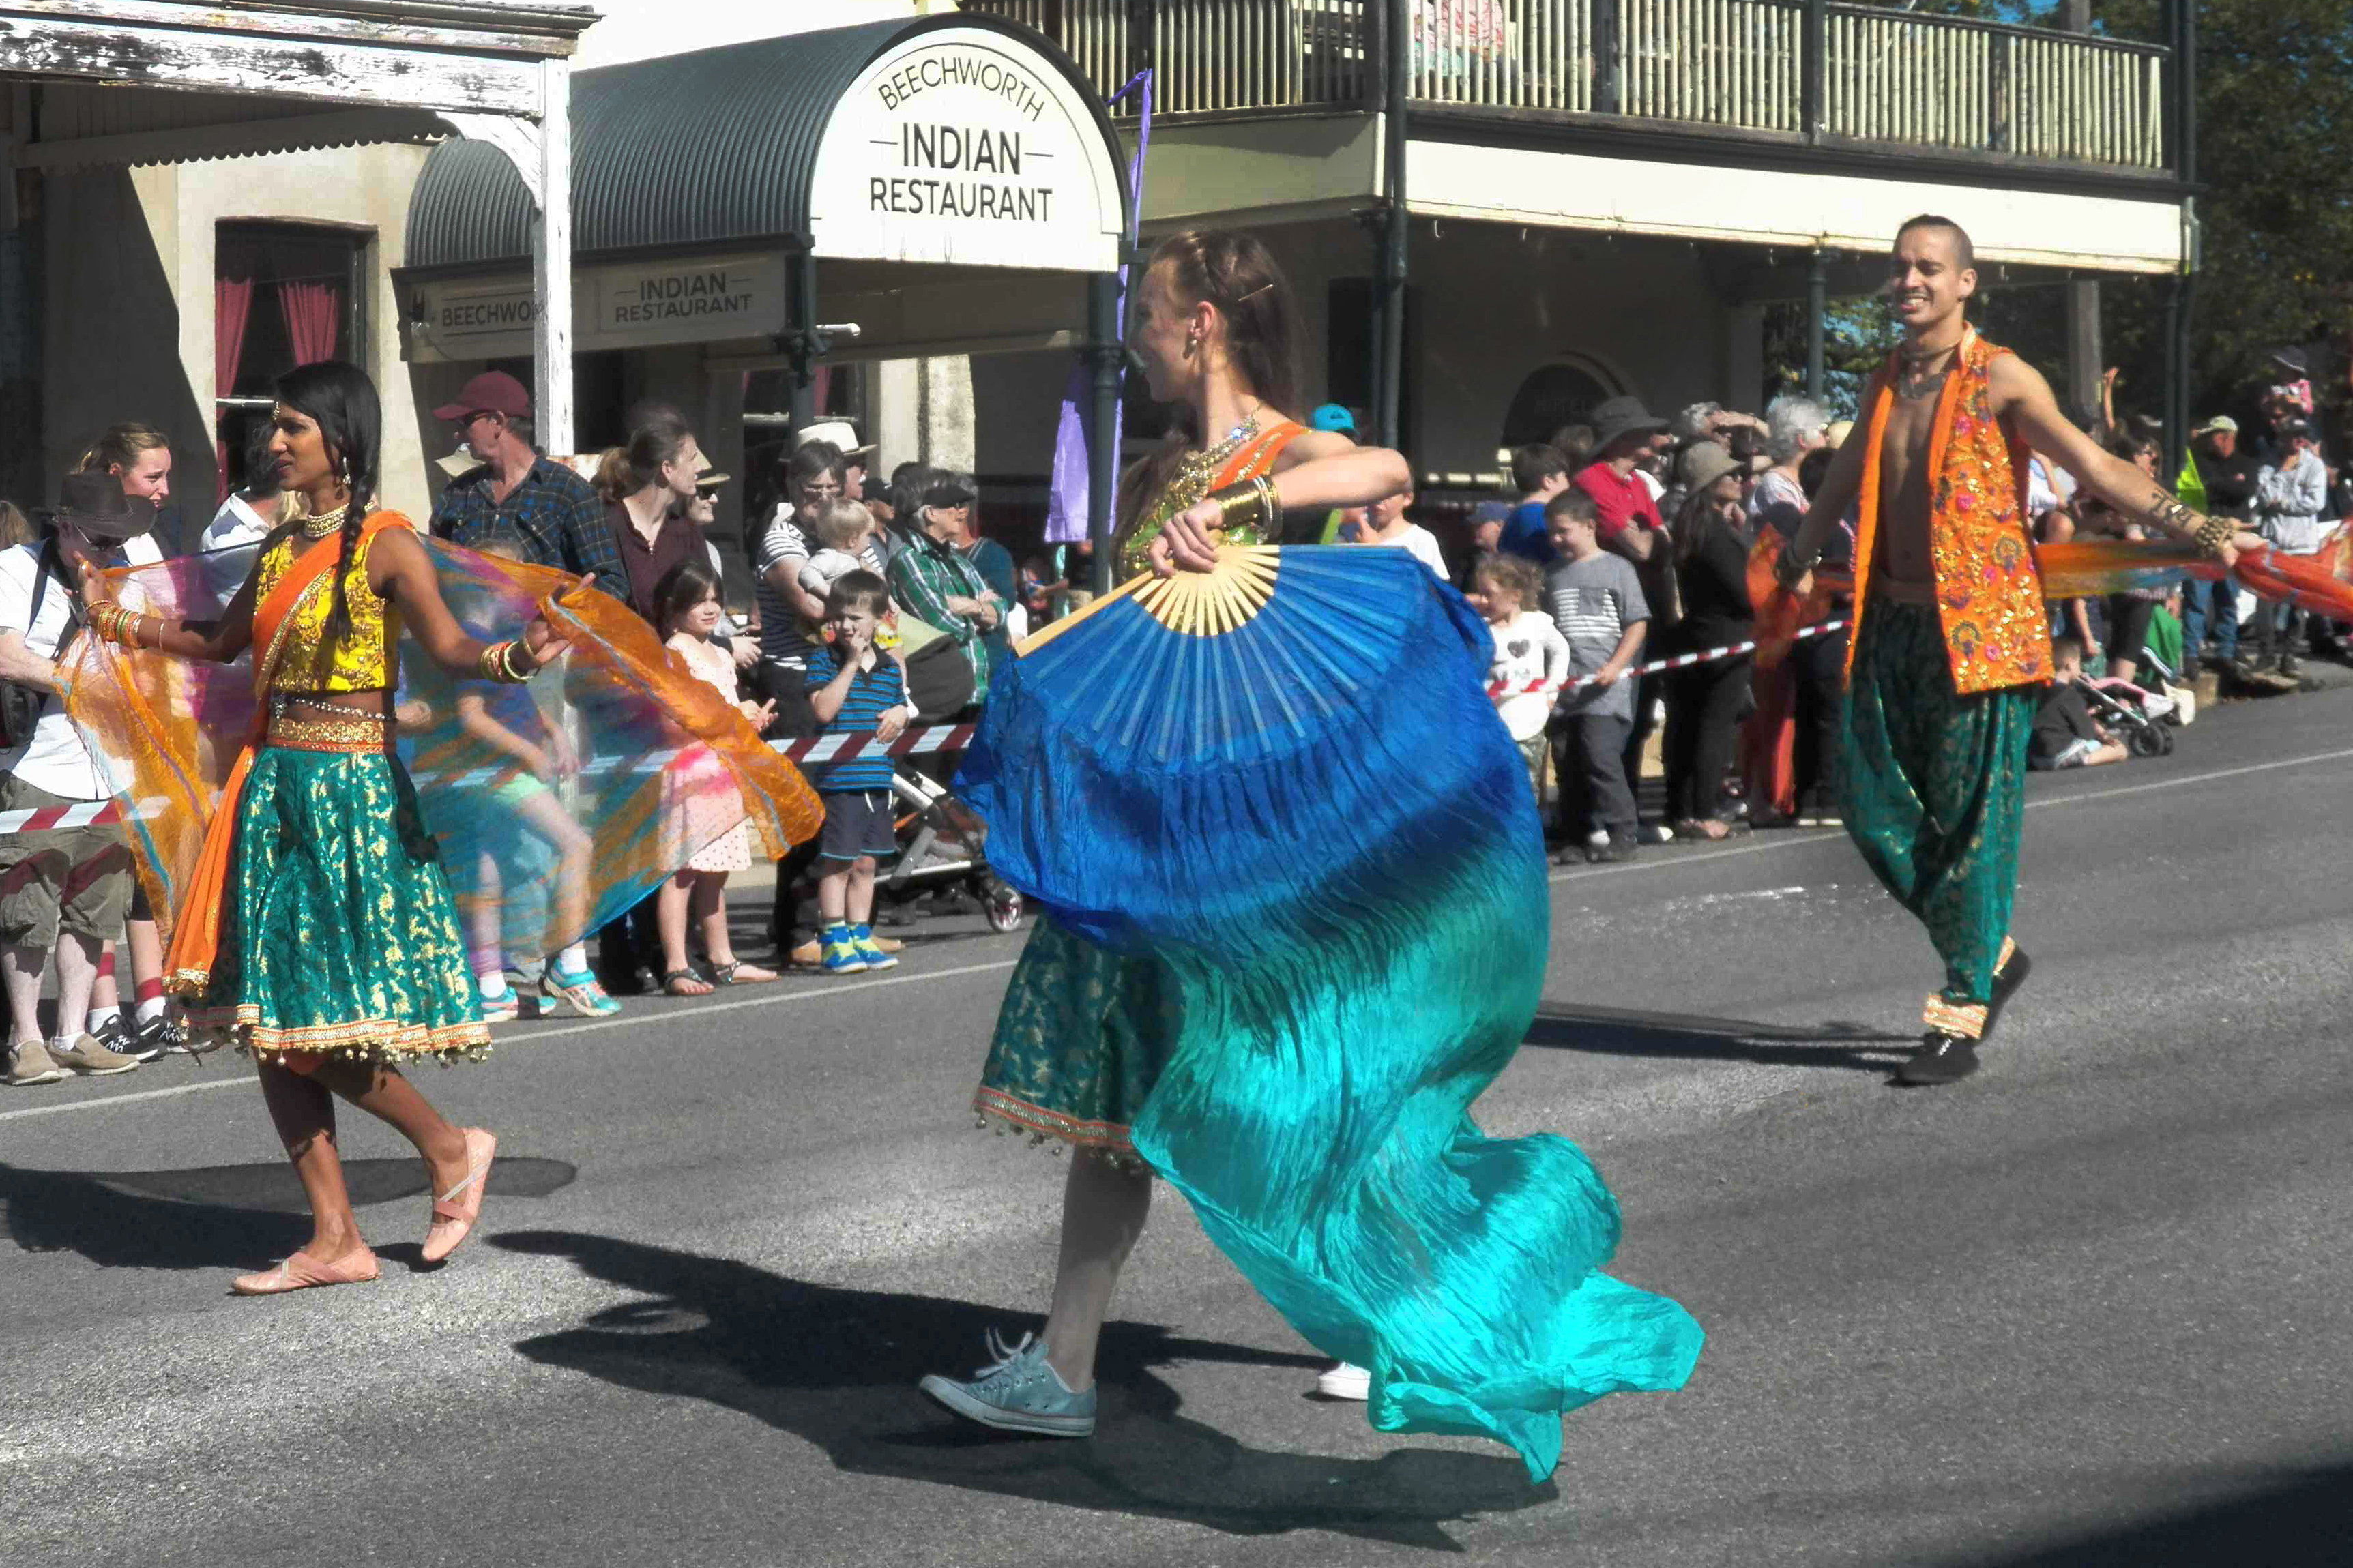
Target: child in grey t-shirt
x: 1596, y: 602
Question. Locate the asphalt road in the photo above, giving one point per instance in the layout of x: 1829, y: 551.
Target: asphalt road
x: 2093, y: 1306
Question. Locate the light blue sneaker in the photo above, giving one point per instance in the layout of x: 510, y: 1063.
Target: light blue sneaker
x: 1018, y: 1393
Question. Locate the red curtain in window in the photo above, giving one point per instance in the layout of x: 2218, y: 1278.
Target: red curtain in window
x: 232, y: 302
x: 313, y: 319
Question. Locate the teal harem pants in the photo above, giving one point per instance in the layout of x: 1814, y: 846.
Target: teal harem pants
x: 1933, y: 784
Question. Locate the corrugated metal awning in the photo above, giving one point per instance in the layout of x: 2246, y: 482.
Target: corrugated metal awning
x: 719, y: 147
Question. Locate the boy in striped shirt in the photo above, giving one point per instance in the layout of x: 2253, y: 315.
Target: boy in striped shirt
x: 855, y: 691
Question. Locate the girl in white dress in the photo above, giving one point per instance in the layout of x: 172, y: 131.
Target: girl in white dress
x: 688, y: 610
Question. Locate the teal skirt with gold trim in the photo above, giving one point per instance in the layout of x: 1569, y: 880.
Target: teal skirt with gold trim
x: 1081, y: 1040
x: 340, y: 935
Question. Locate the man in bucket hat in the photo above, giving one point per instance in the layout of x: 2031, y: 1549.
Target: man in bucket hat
x: 62, y: 889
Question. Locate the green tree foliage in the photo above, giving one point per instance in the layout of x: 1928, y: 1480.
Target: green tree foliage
x: 2276, y: 160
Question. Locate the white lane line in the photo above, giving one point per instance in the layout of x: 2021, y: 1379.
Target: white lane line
x: 532, y: 1036
x: 1797, y: 838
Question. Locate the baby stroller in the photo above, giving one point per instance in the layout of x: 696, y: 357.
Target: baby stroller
x: 2144, y: 718
x: 939, y: 842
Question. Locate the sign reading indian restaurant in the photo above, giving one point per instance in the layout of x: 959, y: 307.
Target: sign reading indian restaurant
x: 632, y: 305
x: 964, y: 145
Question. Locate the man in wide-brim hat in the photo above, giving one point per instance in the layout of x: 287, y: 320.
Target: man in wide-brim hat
x: 62, y: 889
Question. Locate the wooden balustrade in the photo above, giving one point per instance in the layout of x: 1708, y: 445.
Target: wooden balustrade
x: 1898, y: 80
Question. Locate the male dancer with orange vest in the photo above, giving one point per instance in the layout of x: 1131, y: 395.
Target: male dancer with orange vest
x: 1952, y: 647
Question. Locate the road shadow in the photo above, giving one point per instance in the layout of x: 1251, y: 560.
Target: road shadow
x: 2302, y: 1522
x: 1620, y: 1032
x: 837, y: 1368
x: 214, y: 1216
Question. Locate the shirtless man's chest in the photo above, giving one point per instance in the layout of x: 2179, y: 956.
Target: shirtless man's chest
x: 1901, y: 550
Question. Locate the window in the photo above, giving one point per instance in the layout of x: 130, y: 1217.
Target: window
x: 283, y: 295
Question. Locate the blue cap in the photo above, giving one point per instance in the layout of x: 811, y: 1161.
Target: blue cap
x: 1332, y: 416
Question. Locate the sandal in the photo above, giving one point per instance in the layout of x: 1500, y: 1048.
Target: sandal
x: 685, y: 983
x: 740, y: 973
x: 1706, y: 827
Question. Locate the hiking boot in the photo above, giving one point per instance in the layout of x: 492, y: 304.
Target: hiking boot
x: 1940, y: 1058
x: 1018, y: 1393
x: 30, y: 1064
x: 90, y: 1056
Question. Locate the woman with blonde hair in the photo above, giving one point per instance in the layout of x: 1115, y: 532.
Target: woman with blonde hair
x: 1333, y: 1170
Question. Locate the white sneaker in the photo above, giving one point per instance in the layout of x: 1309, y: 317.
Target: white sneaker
x: 1656, y: 833
x: 1345, y: 1380
x: 1597, y: 839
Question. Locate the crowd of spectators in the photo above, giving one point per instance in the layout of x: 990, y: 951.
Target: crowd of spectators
x: 875, y: 603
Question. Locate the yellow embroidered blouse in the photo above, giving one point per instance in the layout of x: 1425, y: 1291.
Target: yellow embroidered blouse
x: 363, y: 661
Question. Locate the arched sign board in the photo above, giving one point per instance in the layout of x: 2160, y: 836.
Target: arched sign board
x: 967, y: 146
x: 948, y: 142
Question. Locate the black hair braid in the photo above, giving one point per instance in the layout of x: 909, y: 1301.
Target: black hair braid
x: 339, y: 615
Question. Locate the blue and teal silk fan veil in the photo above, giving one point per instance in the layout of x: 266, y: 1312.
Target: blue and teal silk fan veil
x: 1283, y: 781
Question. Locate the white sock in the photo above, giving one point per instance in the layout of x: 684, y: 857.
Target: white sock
x: 493, y: 984
x: 151, y: 1009
x: 572, y: 959
x: 99, y: 1017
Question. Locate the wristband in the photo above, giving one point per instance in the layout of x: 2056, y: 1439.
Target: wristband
x: 2213, y: 536
x: 1790, y: 565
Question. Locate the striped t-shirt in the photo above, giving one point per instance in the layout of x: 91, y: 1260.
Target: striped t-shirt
x: 871, y: 693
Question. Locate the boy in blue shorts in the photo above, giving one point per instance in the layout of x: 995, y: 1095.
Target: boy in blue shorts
x: 855, y: 691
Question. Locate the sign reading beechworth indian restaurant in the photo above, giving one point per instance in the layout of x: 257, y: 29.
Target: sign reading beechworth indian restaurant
x: 964, y: 146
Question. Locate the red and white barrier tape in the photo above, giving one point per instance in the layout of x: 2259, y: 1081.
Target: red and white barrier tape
x: 820, y: 749
x: 82, y: 814
x: 1706, y: 655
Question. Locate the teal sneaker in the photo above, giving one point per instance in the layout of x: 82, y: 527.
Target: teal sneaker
x: 840, y: 954
x: 862, y: 939
x: 581, y: 993
x: 1018, y: 1393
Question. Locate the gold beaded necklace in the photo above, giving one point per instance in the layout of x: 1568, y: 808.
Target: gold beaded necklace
x: 326, y: 522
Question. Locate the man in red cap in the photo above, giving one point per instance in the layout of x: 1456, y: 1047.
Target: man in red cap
x: 543, y: 511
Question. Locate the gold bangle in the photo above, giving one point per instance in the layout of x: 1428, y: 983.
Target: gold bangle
x: 515, y: 675
x: 490, y: 663
x: 1241, y: 505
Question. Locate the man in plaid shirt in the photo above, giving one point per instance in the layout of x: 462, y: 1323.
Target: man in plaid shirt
x: 940, y: 587
x: 543, y: 511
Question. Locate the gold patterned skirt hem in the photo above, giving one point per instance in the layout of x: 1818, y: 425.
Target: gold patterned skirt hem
x: 382, y: 1040
x: 1003, y: 1113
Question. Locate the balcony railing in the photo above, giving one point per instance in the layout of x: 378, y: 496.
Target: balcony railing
x: 1888, y: 78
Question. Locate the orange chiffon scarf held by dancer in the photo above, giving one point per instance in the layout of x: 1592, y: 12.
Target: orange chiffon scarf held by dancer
x: 554, y: 805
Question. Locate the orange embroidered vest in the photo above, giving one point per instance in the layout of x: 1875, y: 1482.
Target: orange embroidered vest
x: 1988, y: 597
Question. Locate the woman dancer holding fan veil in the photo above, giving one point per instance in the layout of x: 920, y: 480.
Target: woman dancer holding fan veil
x: 1287, y: 858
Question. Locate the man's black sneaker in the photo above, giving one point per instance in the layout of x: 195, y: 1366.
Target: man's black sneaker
x: 1941, y: 1059
x: 123, y: 1038
x: 2005, y: 981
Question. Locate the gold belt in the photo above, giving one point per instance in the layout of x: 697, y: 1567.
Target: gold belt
x: 321, y: 730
